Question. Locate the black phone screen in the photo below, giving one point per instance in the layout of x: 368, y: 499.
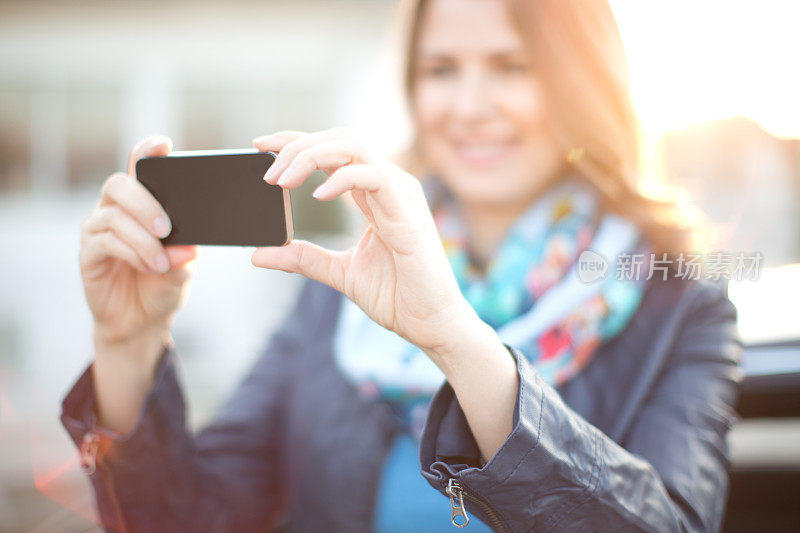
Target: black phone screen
x: 219, y: 198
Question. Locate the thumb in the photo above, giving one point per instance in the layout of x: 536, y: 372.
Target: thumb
x: 306, y: 258
x: 182, y: 263
x: 180, y: 254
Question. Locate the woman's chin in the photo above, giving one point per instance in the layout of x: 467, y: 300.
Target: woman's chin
x: 488, y: 195
x: 492, y: 181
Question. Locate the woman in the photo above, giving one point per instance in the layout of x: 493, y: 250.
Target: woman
x: 454, y: 340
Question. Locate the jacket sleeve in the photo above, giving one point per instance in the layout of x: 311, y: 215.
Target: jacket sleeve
x: 557, y: 472
x: 161, y: 477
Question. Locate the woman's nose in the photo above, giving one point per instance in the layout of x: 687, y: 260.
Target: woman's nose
x: 472, y: 99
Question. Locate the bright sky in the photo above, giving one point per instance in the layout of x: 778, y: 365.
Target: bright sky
x: 699, y: 60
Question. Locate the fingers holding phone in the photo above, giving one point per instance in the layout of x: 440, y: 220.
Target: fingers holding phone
x: 151, y: 212
x: 130, y: 279
x: 111, y: 231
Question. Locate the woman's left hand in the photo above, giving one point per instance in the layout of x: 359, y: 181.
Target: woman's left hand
x: 398, y: 273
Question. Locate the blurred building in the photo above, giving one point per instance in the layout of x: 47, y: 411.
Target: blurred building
x: 746, y: 180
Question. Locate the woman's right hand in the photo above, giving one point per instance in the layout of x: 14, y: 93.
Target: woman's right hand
x: 134, y: 285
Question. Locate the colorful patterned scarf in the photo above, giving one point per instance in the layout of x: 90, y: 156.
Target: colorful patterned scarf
x: 531, y: 293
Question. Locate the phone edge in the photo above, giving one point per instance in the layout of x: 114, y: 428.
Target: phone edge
x: 288, y: 219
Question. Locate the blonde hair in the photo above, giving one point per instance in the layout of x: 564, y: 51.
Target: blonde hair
x: 577, y: 53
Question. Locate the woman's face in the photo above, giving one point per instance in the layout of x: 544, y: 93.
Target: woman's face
x: 478, y: 106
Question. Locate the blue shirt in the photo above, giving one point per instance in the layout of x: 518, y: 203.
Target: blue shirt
x: 407, y: 502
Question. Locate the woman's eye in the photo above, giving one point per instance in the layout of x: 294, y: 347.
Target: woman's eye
x: 439, y: 71
x: 514, y: 67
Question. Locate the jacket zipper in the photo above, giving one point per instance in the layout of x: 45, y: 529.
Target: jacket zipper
x: 88, y: 451
x: 457, y: 509
x: 456, y: 503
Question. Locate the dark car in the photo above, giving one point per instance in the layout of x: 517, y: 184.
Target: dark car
x: 765, y: 471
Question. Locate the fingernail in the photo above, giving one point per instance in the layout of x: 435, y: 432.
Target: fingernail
x: 162, y: 226
x: 321, y: 190
x: 260, y: 139
x: 162, y: 140
x: 162, y: 263
x: 269, y: 176
x: 283, y: 179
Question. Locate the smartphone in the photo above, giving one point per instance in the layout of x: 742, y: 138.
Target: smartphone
x: 219, y: 197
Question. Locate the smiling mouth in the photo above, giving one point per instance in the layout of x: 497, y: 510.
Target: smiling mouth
x: 483, y: 154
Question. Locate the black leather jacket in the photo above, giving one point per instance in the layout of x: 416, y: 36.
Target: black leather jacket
x: 636, y: 441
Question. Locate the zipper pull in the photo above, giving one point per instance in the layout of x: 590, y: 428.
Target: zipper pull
x: 88, y: 450
x: 456, y: 503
